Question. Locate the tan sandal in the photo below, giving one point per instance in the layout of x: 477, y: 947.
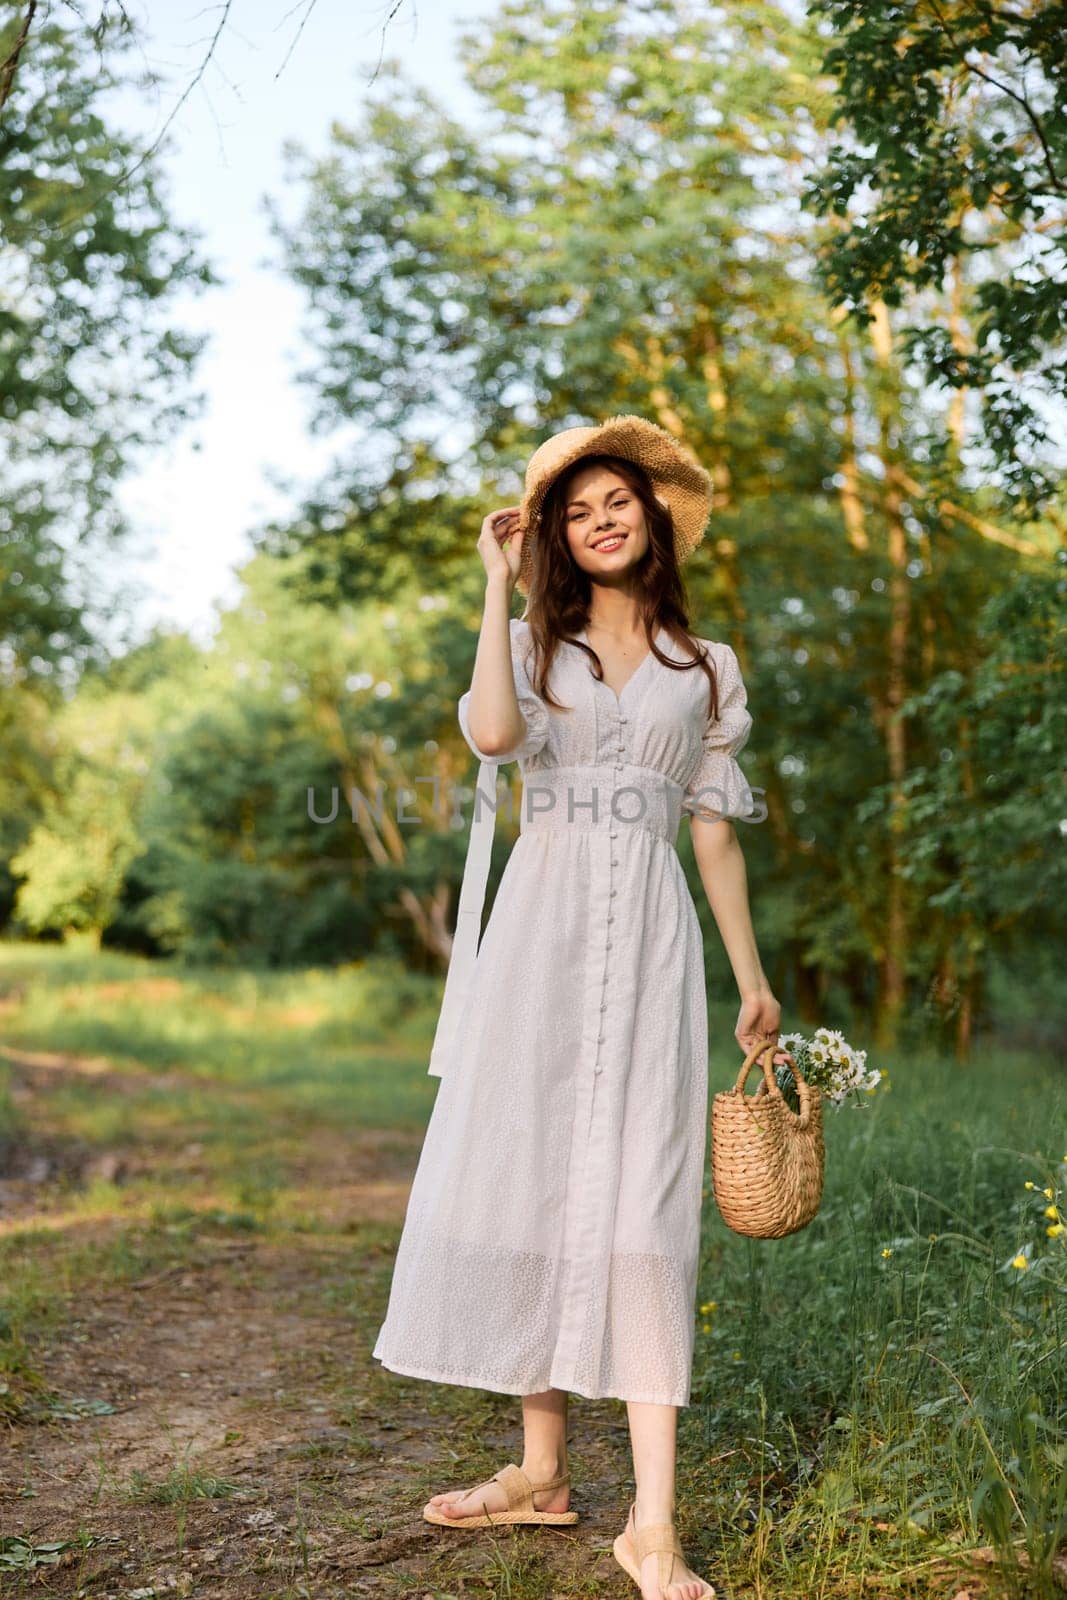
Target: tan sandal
x: 520, y: 1492
x: 660, y: 1539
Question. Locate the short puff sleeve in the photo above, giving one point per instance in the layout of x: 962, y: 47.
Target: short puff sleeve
x: 718, y: 787
x: 533, y: 708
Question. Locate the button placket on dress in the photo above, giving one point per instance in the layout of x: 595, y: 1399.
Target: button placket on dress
x: 587, y: 1221
x: 613, y: 831
x: 613, y: 860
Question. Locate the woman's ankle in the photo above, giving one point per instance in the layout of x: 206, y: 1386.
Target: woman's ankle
x: 647, y: 1512
x: 544, y: 1468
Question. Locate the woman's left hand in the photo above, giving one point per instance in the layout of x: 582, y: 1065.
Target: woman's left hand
x: 758, y: 1018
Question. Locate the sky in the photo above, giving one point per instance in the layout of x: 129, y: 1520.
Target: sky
x: 194, y: 501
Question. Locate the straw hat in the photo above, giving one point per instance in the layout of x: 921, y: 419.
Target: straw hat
x: 679, y: 481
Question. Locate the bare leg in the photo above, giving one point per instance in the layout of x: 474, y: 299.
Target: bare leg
x: 653, y: 1438
x: 544, y: 1456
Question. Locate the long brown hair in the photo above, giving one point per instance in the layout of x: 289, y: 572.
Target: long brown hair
x: 557, y: 606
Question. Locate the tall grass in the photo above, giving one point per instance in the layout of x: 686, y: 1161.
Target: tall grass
x: 901, y: 1360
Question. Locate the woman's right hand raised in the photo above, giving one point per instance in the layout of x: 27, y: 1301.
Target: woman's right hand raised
x: 500, y: 563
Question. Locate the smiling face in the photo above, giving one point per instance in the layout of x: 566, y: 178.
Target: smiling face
x: 605, y: 524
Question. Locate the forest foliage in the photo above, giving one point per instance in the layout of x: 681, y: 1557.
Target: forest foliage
x: 723, y: 220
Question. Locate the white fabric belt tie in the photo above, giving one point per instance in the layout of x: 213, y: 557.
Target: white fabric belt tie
x: 605, y: 797
x: 468, y: 918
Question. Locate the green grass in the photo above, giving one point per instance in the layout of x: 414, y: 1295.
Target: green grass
x: 329, y: 1044
x: 871, y: 1394
x: 923, y: 1389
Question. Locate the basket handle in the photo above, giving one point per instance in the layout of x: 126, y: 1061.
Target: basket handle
x: 766, y: 1048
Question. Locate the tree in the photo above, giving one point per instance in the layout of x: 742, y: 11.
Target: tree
x: 74, y: 862
x: 91, y: 367
x: 982, y: 840
x: 299, y: 792
x: 951, y: 182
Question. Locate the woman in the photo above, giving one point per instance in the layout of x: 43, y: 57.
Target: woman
x: 551, y: 1239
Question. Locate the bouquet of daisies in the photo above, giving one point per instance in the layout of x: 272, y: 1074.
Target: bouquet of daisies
x: 829, y: 1062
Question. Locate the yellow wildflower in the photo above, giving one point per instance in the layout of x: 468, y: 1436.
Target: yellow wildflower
x: 1055, y: 1230
x: 1050, y: 1211
x: 932, y: 1237
x: 705, y: 1327
x: 1029, y: 1185
x: 1021, y: 1262
x: 887, y: 1252
x: 709, y: 1305
x: 1047, y: 1193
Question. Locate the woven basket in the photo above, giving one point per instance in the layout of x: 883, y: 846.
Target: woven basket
x: 767, y: 1160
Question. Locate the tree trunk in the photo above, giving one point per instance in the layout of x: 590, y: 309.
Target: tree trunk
x: 957, y: 410
x: 806, y: 987
x: 893, y: 959
x: 382, y: 836
x: 851, y: 500
x: 970, y: 989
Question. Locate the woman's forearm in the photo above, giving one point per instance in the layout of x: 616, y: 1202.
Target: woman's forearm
x: 721, y: 864
x: 496, y: 722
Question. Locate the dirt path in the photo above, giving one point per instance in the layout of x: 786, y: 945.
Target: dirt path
x: 254, y: 1448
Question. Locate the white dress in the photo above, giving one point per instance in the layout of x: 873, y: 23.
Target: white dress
x: 552, y: 1232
